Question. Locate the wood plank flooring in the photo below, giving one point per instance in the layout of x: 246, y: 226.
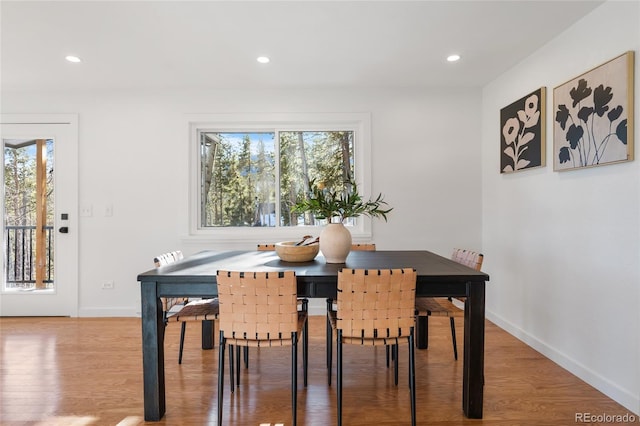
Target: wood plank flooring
x: 88, y: 371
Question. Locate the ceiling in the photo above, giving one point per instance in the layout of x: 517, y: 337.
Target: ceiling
x: 312, y: 44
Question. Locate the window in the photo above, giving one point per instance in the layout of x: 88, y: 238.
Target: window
x: 28, y: 214
x: 249, y: 170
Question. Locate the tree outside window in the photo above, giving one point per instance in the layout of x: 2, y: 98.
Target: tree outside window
x: 254, y: 178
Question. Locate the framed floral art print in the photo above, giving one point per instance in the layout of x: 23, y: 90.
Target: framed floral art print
x: 522, y: 133
x: 593, y: 116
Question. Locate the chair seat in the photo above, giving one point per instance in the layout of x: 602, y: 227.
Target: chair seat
x: 364, y: 341
x: 437, y: 307
x: 197, y: 310
x: 278, y: 340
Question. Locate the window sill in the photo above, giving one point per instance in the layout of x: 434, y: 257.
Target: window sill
x: 247, y: 238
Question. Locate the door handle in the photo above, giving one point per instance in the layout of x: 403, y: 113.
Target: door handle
x: 64, y: 230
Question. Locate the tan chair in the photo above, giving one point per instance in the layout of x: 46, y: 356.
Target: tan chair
x: 260, y: 309
x: 245, y: 352
x: 266, y: 247
x: 443, y: 306
x: 272, y: 247
x: 179, y: 309
x: 375, y: 308
x: 331, y: 306
x: 363, y: 247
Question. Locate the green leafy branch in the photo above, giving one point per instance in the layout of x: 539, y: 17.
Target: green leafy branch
x: 325, y: 203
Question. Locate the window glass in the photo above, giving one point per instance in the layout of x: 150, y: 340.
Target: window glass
x: 244, y: 174
x: 238, y: 179
x: 324, y: 157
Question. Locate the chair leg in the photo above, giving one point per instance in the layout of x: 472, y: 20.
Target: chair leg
x: 220, y: 376
x: 453, y: 337
x: 412, y: 379
x: 305, y: 343
x: 294, y: 377
x: 395, y: 363
x: 330, y: 357
x: 183, y: 329
x: 329, y: 342
x: 392, y: 352
x: 329, y: 333
x: 387, y: 350
x: 238, y: 365
x: 339, y: 374
x: 231, y: 369
x: 246, y: 357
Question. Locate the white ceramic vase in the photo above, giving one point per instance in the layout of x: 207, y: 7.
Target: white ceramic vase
x: 335, y: 243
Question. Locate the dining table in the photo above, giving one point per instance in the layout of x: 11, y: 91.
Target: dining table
x: 195, y: 276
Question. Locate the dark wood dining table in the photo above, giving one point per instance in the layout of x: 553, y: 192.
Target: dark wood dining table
x: 195, y: 276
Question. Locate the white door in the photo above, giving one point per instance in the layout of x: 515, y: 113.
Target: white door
x: 57, y: 293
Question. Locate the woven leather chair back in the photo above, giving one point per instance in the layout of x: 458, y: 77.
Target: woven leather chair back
x: 469, y: 258
x: 257, y: 305
x: 363, y: 247
x: 376, y: 304
x: 168, y: 258
x: 163, y: 260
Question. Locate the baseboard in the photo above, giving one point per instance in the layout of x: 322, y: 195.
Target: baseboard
x: 109, y: 312
x: 604, y: 385
x: 317, y: 306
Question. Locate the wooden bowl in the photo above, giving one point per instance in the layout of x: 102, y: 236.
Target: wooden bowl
x: 290, y: 252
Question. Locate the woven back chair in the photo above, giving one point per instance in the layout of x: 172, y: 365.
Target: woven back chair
x: 180, y: 309
x: 259, y: 247
x: 374, y: 308
x: 331, y: 307
x: 261, y: 309
x: 444, y: 306
x: 169, y: 303
x: 363, y: 247
x: 266, y: 247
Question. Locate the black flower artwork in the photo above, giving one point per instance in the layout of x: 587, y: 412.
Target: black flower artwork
x: 522, y: 133
x: 591, y: 117
x: 587, y: 147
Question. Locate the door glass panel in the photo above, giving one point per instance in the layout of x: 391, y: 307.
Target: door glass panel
x: 28, y: 215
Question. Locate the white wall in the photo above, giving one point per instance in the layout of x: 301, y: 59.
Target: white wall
x: 134, y: 155
x: 563, y: 249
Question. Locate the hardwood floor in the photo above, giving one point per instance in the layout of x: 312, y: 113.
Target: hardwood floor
x: 88, y: 371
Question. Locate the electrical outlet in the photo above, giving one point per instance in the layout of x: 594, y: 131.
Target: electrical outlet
x: 108, y: 210
x: 107, y: 285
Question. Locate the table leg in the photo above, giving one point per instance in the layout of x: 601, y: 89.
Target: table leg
x: 207, y: 335
x: 422, y: 332
x: 473, y: 368
x: 152, y: 352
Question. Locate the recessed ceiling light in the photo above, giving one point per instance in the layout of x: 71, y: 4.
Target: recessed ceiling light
x: 73, y: 59
x: 453, y: 58
x: 263, y: 59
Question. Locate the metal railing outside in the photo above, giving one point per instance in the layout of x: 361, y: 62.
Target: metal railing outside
x: 20, y: 257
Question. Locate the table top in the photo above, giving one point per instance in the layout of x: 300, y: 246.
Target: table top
x: 203, y: 266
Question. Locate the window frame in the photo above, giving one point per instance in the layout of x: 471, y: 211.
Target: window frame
x: 359, y: 123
